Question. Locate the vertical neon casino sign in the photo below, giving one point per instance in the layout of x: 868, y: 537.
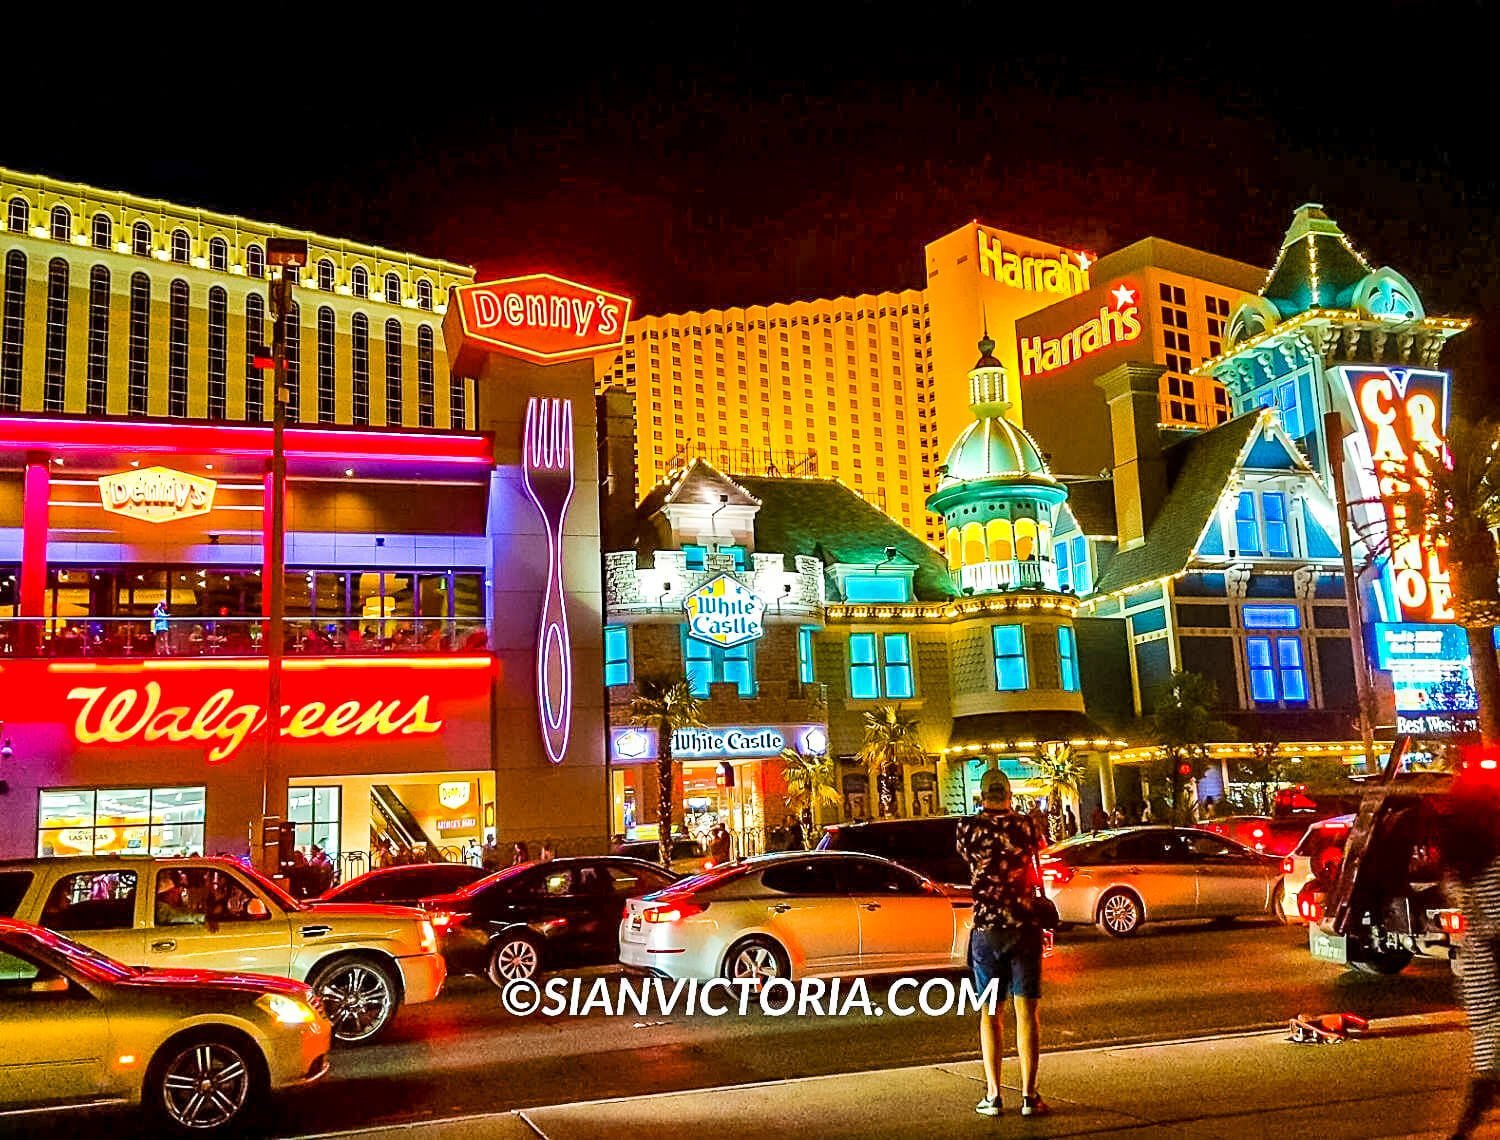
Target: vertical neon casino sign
x: 547, y: 469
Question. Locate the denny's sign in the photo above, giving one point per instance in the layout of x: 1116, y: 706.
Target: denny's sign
x: 539, y: 317
x: 157, y: 494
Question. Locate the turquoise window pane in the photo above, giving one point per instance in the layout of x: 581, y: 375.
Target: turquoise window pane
x: 805, y: 654
x: 1289, y: 660
x: 1083, y: 581
x: 876, y: 588
x: 695, y: 555
x: 1067, y: 654
x: 1278, y: 538
x: 1246, y: 526
x: 1060, y: 559
x: 1262, y: 675
x: 1271, y: 617
x: 616, y: 655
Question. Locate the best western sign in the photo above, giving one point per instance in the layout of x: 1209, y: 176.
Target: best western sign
x: 1063, y: 273
x: 538, y: 317
x: 1118, y: 322
x: 157, y: 494
x: 725, y: 613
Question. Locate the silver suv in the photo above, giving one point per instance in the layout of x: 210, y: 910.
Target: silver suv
x: 217, y: 914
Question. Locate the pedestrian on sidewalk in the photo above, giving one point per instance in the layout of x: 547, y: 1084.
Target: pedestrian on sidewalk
x: 1000, y: 847
x: 1474, y: 865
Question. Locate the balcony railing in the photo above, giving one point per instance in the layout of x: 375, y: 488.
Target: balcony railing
x: 238, y: 637
x: 1015, y: 574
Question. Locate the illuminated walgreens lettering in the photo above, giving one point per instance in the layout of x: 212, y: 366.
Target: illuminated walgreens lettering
x: 1403, y: 414
x: 1117, y: 323
x: 135, y: 713
x: 1032, y: 273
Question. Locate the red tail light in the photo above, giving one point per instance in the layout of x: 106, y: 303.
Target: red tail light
x: 441, y: 920
x: 1310, y: 909
x: 1286, y: 865
x: 673, y: 912
x: 1452, y: 921
x: 1056, y: 874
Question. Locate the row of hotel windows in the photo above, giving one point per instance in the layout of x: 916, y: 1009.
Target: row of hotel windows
x: 880, y: 664
x: 55, y: 357
x: 180, y: 249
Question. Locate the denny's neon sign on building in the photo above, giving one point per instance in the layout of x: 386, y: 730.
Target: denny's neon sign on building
x: 541, y: 317
x: 1404, y: 413
x: 157, y: 494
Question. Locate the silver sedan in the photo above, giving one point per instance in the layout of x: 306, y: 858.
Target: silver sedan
x: 1126, y: 878
x: 797, y: 914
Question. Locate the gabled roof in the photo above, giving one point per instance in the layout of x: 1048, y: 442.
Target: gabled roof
x: 1317, y: 267
x: 1092, y: 503
x: 701, y: 484
x: 828, y: 521
x: 1198, y: 470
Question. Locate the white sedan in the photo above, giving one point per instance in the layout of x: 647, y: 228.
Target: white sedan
x: 798, y: 914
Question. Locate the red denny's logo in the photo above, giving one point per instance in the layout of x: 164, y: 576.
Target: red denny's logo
x: 542, y: 317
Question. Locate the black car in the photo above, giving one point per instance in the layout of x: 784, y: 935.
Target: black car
x: 524, y: 920
x: 404, y: 886
x: 688, y: 855
x: 927, y: 846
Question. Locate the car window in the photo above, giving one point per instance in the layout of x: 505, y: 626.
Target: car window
x: 867, y: 877
x: 554, y: 882
x: 204, y: 896
x: 803, y: 877
x: 367, y: 889
x: 592, y: 879
x: 636, y: 880
x: 1210, y: 848
x: 91, y: 900
x: 16, y: 972
x: 1142, y: 847
x: 13, y: 888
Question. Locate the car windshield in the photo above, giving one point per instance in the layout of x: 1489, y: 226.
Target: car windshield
x: 272, y: 888
x: 82, y: 958
x: 1329, y: 832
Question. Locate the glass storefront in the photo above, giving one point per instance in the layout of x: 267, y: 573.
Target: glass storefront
x: 316, y: 812
x: 120, y: 821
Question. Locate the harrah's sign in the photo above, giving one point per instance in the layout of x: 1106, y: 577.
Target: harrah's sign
x: 541, y: 317
x: 1032, y: 273
x: 1118, y: 322
x: 1404, y: 412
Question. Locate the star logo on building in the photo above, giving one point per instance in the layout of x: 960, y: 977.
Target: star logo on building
x: 1123, y: 296
x: 1084, y: 261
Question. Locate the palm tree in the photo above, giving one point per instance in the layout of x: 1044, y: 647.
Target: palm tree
x: 1061, y: 770
x: 810, y: 780
x: 665, y: 703
x: 891, y: 742
x: 1183, y: 723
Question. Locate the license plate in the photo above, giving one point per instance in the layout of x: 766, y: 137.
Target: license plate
x: 635, y: 924
x: 1328, y: 947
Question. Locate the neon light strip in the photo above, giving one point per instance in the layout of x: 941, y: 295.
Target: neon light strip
x: 163, y: 665
x: 547, y: 457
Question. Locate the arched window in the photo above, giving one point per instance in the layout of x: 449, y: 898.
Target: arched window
x: 954, y: 548
x: 139, y: 370
x: 55, y: 359
x: 140, y: 239
x: 973, y: 535
x: 102, y: 231
x: 424, y: 294
x: 177, y: 346
x: 182, y: 246
x: 997, y: 540
x: 394, y: 412
x: 18, y: 215
x: 1026, y: 537
x: 325, y: 362
x: 218, y: 255
x: 293, y: 362
x: 255, y: 340
x: 61, y: 226
x: 426, y: 380
x: 458, y: 403
x: 325, y: 275
x: 359, y: 281
x: 360, y: 357
x: 96, y: 394
x: 13, y: 326
x: 218, y: 351
x: 255, y: 261
x: 392, y: 289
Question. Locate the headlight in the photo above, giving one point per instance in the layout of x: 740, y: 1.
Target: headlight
x: 287, y: 1010
x: 429, y: 939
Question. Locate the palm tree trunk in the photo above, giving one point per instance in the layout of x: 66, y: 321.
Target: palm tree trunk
x: 664, y: 793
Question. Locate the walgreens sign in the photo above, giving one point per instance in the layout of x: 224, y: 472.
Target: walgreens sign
x: 540, y: 317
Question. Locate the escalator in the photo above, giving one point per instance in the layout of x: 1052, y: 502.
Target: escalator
x: 397, y: 823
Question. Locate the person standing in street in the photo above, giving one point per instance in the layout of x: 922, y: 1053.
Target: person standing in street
x: 1000, y: 847
x: 1070, y: 821
x: 1473, y: 864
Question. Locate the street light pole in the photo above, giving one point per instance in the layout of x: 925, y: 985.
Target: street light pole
x: 289, y: 254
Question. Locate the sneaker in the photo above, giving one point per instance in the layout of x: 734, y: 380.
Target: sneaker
x: 989, y: 1106
x: 1034, y: 1106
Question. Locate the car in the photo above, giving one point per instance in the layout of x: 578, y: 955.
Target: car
x: 928, y: 846
x: 363, y: 960
x: 1312, y: 867
x: 525, y: 920
x: 1252, y: 831
x: 197, y: 1049
x: 798, y: 914
x: 1123, y: 879
x: 688, y: 855
x: 403, y: 886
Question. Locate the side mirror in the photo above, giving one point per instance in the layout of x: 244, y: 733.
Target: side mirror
x: 51, y: 984
x: 255, y: 908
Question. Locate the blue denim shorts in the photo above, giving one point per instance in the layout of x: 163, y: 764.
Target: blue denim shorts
x: 1011, y: 954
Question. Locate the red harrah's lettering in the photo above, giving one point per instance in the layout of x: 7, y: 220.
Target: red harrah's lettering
x: 117, y: 716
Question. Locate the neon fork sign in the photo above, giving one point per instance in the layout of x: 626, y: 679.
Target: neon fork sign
x: 547, y: 469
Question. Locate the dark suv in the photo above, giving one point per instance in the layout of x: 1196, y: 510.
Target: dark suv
x: 927, y: 846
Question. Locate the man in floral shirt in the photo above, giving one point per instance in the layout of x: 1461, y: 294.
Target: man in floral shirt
x: 1000, y: 846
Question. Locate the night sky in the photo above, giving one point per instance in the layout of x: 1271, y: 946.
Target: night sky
x: 704, y: 158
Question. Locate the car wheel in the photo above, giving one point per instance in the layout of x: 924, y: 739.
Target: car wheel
x: 359, y: 995
x: 204, y: 1084
x: 514, y: 958
x: 1119, y: 914
x: 1381, y: 962
x: 756, y: 959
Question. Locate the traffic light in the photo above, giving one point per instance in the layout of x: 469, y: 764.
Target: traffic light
x: 1184, y: 769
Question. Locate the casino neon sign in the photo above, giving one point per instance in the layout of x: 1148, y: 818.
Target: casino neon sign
x: 1404, y: 413
x: 1118, y: 322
